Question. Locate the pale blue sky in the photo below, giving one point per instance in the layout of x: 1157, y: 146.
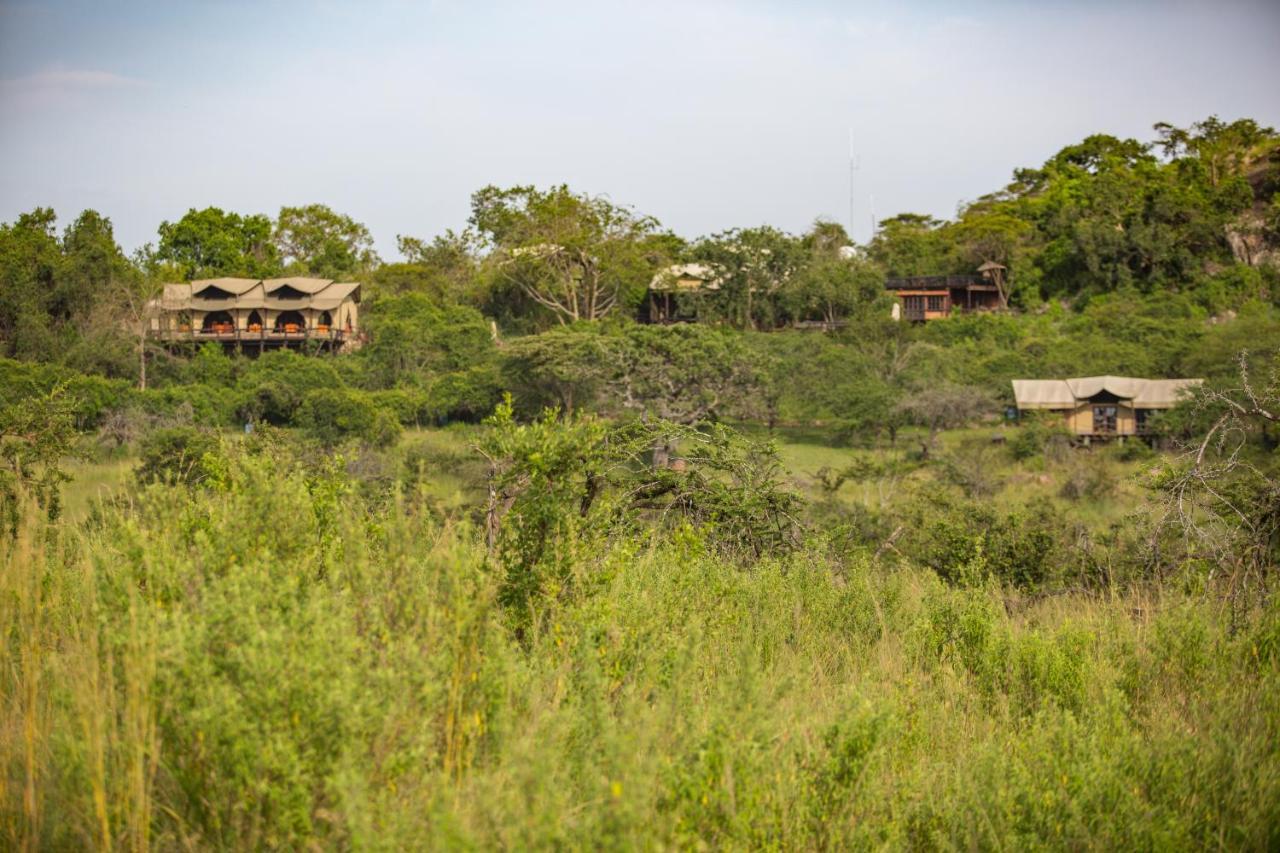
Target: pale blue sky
x: 708, y: 115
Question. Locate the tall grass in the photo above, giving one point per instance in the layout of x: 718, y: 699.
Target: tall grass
x: 271, y: 662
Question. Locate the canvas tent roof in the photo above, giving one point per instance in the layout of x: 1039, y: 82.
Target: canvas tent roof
x: 1068, y: 393
x: 321, y: 294
x: 230, y: 285
x: 306, y: 285
x: 675, y: 276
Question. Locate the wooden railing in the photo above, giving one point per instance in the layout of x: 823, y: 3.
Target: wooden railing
x: 228, y: 332
x: 933, y: 282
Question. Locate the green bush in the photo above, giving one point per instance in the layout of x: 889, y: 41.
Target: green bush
x: 91, y: 397
x: 1035, y: 433
x: 964, y: 541
x: 333, y: 415
x: 184, y: 454
x: 205, y: 405
x: 274, y: 402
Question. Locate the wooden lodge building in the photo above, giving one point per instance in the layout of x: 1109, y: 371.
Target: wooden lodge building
x: 929, y: 297
x: 258, y: 314
x: 1102, y: 406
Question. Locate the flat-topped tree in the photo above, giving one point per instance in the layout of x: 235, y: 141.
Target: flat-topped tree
x: 576, y: 255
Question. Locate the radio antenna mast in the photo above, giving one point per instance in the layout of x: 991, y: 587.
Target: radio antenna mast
x: 854, y: 164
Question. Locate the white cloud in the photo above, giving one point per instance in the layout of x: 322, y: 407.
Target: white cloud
x: 59, y: 81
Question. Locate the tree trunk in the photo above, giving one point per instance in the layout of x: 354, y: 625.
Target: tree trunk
x: 142, y: 362
x: 661, y: 455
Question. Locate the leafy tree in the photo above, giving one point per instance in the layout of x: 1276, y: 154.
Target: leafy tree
x: 755, y: 265
x: 577, y: 256
x: 447, y: 270
x: 274, y: 385
x: 913, y: 244
x: 564, y: 367
x: 58, y: 298
x: 179, y: 454
x: 36, y: 434
x: 558, y: 488
x: 992, y: 234
x: 1225, y: 149
x: 211, y: 242
x: 943, y: 406
x: 316, y: 240
x: 30, y: 261
x: 831, y: 286
x: 412, y: 338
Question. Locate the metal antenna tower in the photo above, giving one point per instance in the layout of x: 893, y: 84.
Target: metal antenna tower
x: 854, y: 164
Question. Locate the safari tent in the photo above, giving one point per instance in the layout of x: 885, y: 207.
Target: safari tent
x: 1102, y: 406
x: 261, y: 313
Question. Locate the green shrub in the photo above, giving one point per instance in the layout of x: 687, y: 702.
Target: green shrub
x: 205, y: 405
x: 184, y: 454
x: 91, y: 397
x: 273, y: 402
x: 1035, y: 433
x: 406, y: 404
x: 964, y: 541
x: 333, y: 415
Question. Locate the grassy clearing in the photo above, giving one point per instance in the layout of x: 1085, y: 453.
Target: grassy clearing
x: 94, y: 481
x: 270, y: 662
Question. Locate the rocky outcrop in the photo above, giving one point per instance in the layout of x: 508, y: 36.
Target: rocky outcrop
x: 1248, y: 240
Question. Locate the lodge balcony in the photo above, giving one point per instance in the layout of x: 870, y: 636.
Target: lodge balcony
x: 256, y: 337
x: 938, y: 282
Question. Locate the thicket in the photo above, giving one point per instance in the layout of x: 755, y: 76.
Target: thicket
x: 264, y: 658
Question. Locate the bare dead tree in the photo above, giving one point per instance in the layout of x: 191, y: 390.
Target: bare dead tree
x: 1219, y: 498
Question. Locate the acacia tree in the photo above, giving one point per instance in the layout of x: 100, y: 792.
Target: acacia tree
x: 943, y: 406
x: 684, y: 374
x: 1223, y: 496
x: 567, y: 364
x: 560, y: 489
x: 576, y: 255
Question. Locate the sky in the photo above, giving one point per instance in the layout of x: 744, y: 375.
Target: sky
x: 706, y: 115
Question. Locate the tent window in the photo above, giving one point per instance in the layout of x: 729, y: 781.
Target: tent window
x: 290, y: 321
x: 1104, y: 419
x: 218, y: 322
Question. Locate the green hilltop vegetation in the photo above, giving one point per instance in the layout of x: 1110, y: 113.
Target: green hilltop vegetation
x: 525, y: 570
